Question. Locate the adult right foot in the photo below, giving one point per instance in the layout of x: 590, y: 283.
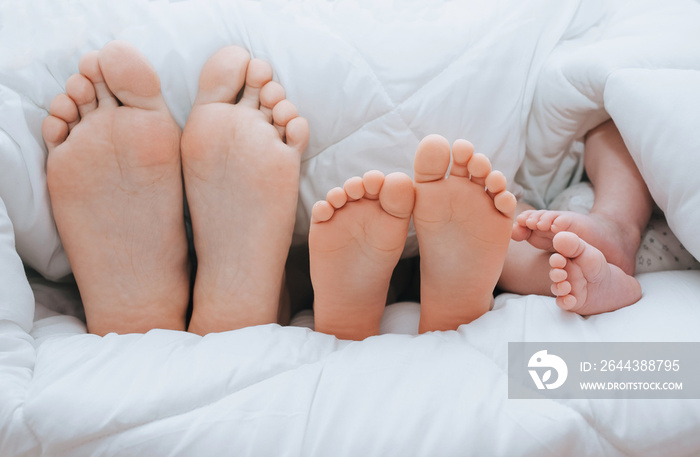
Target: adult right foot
x: 463, y: 224
x: 241, y: 156
x: 113, y: 173
x: 356, y: 238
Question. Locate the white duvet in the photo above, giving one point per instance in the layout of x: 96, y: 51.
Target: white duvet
x: 523, y: 80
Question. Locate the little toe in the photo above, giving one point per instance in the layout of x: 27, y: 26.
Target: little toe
x: 64, y: 108
x: 462, y: 152
x: 520, y: 233
x: 372, y: 181
x: 479, y: 168
x: 82, y: 92
x: 223, y: 76
x: 130, y: 76
x: 322, y: 211
x: 566, y: 302
x: 337, y: 197
x: 258, y: 74
x: 55, y: 131
x: 432, y: 159
x: 397, y: 195
x: 89, y: 67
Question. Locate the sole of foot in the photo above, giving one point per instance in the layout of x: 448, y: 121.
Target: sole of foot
x: 114, y: 179
x: 241, y: 155
x: 614, y: 240
x: 584, y: 282
x: 356, y: 238
x: 463, y: 223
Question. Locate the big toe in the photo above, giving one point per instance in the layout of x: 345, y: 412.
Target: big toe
x: 432, y: 159
x: 130, y: 76
x: 223, y: 75
x: 397, y: 196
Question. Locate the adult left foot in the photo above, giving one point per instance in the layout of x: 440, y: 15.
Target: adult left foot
x: 583, y: 280
x: 241, y: 155
x: 463, y: 224
x: 356, y: 238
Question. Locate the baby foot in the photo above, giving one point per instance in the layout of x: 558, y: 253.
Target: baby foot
x: 241, y: 154
x: 614, y: 240
x: 356, y: 238
x: 584, y: 282
x: 114, y: 178
x: 463, y: 224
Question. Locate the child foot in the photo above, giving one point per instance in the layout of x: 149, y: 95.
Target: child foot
x: 615, y: 241
x: 584, y: 282
x: 463, y: 232
x: 241, y: 155
x: 356, y: 238
x: 114, y: 178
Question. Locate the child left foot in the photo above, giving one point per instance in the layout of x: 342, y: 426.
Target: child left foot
x: 584, y: 282
x: 356, y: 238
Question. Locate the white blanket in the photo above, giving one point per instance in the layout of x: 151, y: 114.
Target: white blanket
x: 523, y: 80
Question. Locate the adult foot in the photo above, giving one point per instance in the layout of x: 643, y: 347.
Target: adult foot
x: 463, y: 223
x: 356, y: 238
x: 617, y: 241
x: 114, y: 178
x: 583, y: 280
x: 241, y: 154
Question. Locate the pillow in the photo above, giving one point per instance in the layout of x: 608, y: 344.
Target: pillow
x: 658, y: 115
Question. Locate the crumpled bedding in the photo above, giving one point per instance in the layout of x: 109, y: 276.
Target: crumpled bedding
x: 522, y: 80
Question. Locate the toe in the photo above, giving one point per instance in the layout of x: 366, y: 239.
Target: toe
x: 520, y: 233
x: 82, y: 92
x: 354, y: 188
x: 432, y: 159
x: 479, y: 168
x: 270, y: 95
x: 505, y: 202
x: 296, y: 134
x: 223, y: 76
x: 561, y: 288
x: 258, y: 74
x: 64, y: 108
x: 54, y: 131
x: 397, y: 196
x: 496, y: 182
x: 372, y: 181
x: 523, y: 217
x: 130, y: 76
x: 545, y: 221
x: 321, y: 211
x: 557, y: 260
x: 462, y: 152
x: 568, y: 244
x: 561, y: 222
x: 337, y: 197
x: 558, y: 275
x: 533, y: 218
x: 567, y: 302
x: 90, y: 68
x: 283, y: 112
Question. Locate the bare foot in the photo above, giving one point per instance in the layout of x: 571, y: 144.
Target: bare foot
x: 584, y: 282
x: 356, y: 238
x: 463, y: 232
x: 114, y: 178
x: 241, y: 153
x: 618, y: 242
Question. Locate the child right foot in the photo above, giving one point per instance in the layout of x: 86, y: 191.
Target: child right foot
x: 113, y: 173
x: 356, y: 238
x: 584, y: 282
x: 463, y: 232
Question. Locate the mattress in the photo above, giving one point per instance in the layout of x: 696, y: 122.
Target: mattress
x: 522, y: 80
